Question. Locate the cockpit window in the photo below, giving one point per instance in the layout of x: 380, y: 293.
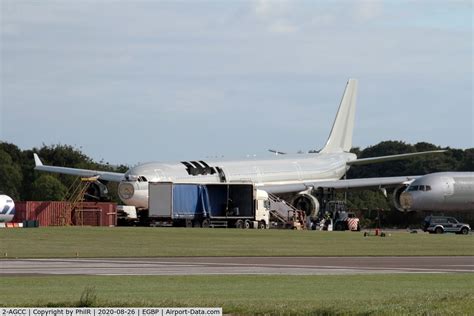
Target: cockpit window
x: 142, y: 179
x: 413, y: 188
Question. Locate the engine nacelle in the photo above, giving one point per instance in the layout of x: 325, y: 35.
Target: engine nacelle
x: 97, y: 191
x: 307, y: 203
x: 396, y: 197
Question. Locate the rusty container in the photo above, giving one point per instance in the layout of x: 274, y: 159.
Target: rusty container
x: 95, y: 214
x: 59, y: 213
x: 47, y: 213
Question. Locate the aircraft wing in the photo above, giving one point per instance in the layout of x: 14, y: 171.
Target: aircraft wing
x: 103, y: 175
x: 350, y: 184
x: 365, y: 161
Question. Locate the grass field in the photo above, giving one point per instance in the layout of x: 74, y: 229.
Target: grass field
x: 422, y: 294
x: 156, y: 242
x: 409, y: 294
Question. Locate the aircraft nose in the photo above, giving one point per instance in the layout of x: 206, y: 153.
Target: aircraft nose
x: 406, y: 200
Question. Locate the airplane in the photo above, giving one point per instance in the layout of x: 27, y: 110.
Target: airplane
x: 440, y: 191
x: 7, y: 209
x: 283, y: 175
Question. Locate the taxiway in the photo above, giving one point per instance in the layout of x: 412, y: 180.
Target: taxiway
x: 237, y: 265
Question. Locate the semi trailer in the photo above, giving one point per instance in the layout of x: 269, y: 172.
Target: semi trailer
x: 238, y: 205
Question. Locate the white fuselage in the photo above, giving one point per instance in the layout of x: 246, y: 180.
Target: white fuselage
x: 284, y: 169
x: 442, y: 191
x: 7, y: 209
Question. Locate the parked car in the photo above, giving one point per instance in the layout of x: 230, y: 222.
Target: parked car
x: 445, y: 224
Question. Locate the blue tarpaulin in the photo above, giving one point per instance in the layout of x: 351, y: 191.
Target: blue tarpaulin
x: 214, y: 200
x: 188, y: 200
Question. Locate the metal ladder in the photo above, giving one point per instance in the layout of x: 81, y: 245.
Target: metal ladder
x: 279, y: 208
x: 75, y: 196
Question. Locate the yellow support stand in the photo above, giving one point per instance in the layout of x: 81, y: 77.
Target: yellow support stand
x: 75, y: 196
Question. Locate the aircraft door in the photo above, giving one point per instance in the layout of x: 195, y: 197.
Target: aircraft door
x: 258, y: 174
x: 448, y: 186
x: 298, y: 169
x: 159, y: 176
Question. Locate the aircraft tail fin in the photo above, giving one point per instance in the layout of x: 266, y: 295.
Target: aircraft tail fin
x: 340, y: 138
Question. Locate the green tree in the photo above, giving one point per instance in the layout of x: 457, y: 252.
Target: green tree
x: 10, y: 176
x: 12, y: 150
x: 383, y: 169
x: 368, y: 200
x: 467, y: 162
x: 48, y: 188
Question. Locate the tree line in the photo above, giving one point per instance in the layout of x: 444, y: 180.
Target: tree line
x: 452, y: 160
x: 19, y: 180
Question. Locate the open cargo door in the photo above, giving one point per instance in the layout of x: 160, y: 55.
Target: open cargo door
x: 230, y: 200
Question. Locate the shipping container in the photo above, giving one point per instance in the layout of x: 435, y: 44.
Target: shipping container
x: 95, y: 214
x: 59, y: 213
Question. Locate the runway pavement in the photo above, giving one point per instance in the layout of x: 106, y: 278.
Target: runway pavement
x: 237, y: 265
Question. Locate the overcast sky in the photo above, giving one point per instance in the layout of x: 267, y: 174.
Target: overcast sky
x: 135, y: 81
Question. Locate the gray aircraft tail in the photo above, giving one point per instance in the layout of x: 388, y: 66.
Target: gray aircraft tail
x: 340, y: 139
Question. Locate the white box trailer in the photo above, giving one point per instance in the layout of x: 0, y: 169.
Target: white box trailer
x: 239, y: 205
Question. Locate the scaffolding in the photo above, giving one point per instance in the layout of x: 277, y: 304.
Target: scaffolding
x: 74, y: 197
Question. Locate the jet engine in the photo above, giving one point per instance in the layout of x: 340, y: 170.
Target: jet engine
x: 307, y: 203
x: 97, y: 191
x: 397, y: 197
